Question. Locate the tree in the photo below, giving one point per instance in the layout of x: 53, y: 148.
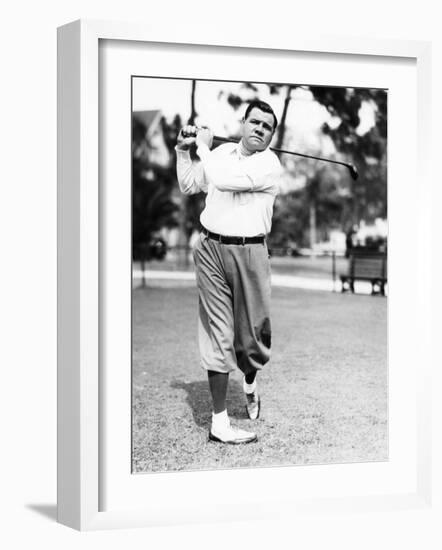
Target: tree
x: 329, y: 198
x: 191, y: 205
x: 328, y: 194
x: 368, y: 151
x: 307, y: 213
x: 274, y: 88
x: 193, y: 112
x: 152, y: 205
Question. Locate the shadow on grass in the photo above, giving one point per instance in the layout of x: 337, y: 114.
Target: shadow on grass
x: 200, y: 402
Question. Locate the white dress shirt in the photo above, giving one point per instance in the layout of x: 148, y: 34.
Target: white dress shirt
x: 240, y: 189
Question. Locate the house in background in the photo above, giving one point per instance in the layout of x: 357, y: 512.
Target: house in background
x: 150, y: 149
x: 152, y: 146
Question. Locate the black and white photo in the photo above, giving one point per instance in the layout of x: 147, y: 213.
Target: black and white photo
x: 259, y: 246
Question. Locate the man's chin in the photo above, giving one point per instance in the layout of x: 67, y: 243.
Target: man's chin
x: 255, y: 145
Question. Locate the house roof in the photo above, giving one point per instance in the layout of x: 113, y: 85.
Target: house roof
x: 149, y: 118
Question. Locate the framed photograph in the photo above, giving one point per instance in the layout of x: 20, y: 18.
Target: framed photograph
x: 326, y: 401
x: 344, y: 408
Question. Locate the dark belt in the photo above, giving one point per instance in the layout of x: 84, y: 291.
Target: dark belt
x: 229, y: 239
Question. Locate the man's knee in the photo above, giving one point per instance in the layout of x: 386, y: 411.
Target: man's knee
x: 265, y: 333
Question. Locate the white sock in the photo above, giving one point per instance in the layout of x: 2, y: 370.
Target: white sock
x: 220, y: 420
x: 249, y: 388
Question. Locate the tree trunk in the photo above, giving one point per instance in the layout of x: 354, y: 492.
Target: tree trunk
x: 192, y: 104
x: 312, y: 224
x: 281, y: 125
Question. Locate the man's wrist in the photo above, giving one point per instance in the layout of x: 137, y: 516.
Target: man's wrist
x: 181, y: 150
x: 202, y: 151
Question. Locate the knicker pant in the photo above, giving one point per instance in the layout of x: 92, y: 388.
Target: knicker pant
x: 234, y: 305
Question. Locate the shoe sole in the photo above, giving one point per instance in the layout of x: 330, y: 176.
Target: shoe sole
x: 259, y: 410
x: 232, y: 442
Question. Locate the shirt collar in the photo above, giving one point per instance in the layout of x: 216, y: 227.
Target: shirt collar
x: 237, y: 149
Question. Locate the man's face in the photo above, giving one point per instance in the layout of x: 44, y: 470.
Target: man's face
x: 257, y: 130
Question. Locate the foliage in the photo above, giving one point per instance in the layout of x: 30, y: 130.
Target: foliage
x: 329, y: 194
x: 326, y: 192
x: 192, y: 205
x: 152, y: 204
x: 367, y: 151
x: 289, y: 221
x: 329, y: 199
x: 364, y: 198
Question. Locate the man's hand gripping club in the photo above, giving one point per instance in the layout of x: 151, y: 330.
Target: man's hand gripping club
x: 194, y: 135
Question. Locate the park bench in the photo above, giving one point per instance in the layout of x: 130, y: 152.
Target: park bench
x: 366, y: 265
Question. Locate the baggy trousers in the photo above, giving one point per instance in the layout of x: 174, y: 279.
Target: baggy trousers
x: 234, y: 305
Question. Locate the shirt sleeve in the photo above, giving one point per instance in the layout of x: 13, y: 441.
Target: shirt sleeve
x: 191, y: 178
x: 228, y: 173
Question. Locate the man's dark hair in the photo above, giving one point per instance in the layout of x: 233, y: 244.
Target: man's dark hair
x: 262, y: 106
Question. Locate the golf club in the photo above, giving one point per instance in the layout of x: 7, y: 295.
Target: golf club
x: 351, y: 167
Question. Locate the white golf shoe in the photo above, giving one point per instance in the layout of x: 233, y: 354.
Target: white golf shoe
x: 232, y: 436
x: 253, y: 405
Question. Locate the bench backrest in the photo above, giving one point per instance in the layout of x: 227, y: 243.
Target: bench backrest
x: 368, y: 264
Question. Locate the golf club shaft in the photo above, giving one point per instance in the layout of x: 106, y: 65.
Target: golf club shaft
x: 353, y: 171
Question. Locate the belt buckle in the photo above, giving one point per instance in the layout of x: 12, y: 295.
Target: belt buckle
x: 243, y: 240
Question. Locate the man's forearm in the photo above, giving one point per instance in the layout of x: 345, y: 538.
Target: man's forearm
x: 187, y: 173
x: 224, y: 174
x: 230, y: 174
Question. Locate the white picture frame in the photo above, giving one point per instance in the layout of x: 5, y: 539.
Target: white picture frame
x: 79, y: 292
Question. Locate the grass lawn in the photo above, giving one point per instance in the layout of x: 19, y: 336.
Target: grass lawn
x: 324, y: 393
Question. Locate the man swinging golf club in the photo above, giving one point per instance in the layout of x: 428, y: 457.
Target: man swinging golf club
x: 231, y: 257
